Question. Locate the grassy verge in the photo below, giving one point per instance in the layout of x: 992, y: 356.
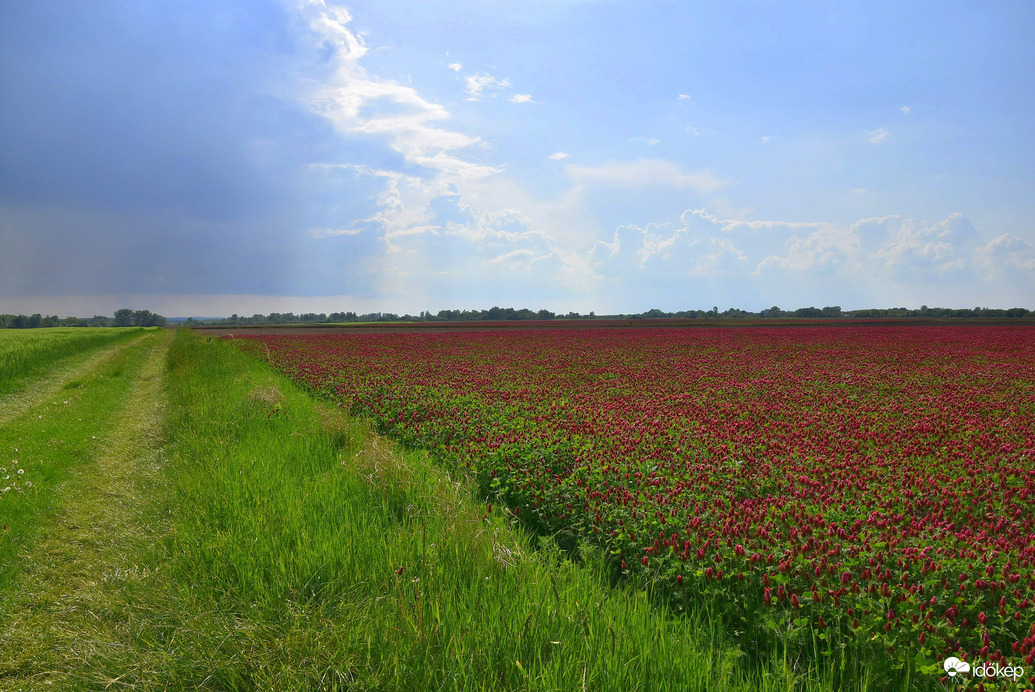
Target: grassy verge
x: 302, y: 552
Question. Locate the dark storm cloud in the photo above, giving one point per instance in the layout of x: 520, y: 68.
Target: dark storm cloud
x: 144, y: 148
x: 131, y: 104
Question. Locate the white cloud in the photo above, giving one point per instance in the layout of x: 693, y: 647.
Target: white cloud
x: 868, y: 255
x: 521, y: 98
x: 825, y: 249
x: 877, y: 136
x: 358, y: 104
x: 917, y: 247
x: 478, y: 84
x: 1007, y: 254
x: 683, y: 97
x: 905, y: 110
x: 721, y: 258
x: 656, y: 244
x: 559, y: 156
x: 455, y: 66
x: 691, y: 130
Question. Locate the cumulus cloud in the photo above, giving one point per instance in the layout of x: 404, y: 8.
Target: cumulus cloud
x: 825, y: 249
x: 455, y: 66
x: 891, y: 251
x: 916, y: 246
x: 559, y: 156
x: 1005, y: 255
x: 521, y: 98
x: 905, y: 110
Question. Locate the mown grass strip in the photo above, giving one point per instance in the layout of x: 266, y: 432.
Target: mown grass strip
x: 305, y: 553
x: 49, y: 444
x: 69, y: 599
x: 27, y: 352
x: 51, y: 376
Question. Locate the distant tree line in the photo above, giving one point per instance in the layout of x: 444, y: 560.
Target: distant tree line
x: 498, y: 314
x: 121, y: 318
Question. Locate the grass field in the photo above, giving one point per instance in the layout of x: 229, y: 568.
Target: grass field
x: 196, y: 520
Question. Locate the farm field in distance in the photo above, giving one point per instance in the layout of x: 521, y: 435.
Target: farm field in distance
x: 837, y: 487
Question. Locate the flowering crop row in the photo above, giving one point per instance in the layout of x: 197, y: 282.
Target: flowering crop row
x: 875, y: 482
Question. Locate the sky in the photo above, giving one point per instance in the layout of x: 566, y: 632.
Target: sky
x: 204, y: 158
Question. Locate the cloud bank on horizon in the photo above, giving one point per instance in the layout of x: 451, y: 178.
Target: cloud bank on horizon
x: 258, y: 156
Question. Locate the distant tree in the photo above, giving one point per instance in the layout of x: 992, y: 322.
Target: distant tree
x: 808, y: 312
x: 832, y: 311
x: 123, y: 318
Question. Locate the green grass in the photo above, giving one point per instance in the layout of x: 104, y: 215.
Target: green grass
x: 45, y: 446
x: 78, y: 532
x: 25, y: 352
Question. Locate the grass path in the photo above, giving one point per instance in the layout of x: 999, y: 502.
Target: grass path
x: 67, y: 370
x: 68, y: 604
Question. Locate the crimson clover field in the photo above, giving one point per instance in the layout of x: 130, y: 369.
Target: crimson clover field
x: 861, y: 483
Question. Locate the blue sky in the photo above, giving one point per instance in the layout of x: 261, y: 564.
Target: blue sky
x: 204, y: 158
